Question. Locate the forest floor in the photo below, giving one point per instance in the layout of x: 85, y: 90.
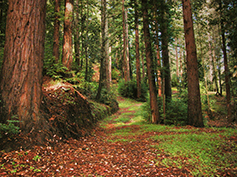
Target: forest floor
x: 124, y: 145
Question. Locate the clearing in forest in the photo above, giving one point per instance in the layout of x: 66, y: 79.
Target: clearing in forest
x: 124, y: 145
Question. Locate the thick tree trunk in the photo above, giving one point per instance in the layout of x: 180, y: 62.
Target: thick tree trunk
x: 67, y: 37
x: 150, y: 66
x: 21, y: 77
x: 194, y: 102
x: 138, y: 73
x: 102, y: 60
x: 165, y: 54
x: 125, y: 46
x: 56, y: 31
x: 76, y: 33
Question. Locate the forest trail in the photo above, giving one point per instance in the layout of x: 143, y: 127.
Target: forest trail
x: 121, y: 145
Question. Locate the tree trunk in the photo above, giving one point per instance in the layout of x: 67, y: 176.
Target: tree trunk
x: 165, y: 54
x: 159, y: 79
x: 143, y: 65
x: 86, y: 42
x: 76, y: 33
x: 56, y: 31
x: 67, y: 37
x: 194, y: 102
x: 150, y: 66
x: 125, y: 46
x: 107, y: 62
x: 21, y: 77
x: 177, y: 60
x: 227, y: 79
x: 102, y: 60
x: 138, y: 73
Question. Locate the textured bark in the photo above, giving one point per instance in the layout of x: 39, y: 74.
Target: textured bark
x: 56, y: 31
x: 138, y: 73
x: 165, y: 54
x: 21, y: 76
x: 194, y: 102
x: 159, y: 79
x: 107, y: 59
x: 67, y: 37
x: 102, y: 60
x: 76, y: 33
x: 150, y: 68
x: 125, y: 46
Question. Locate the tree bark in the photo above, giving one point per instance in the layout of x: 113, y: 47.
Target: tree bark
x: 194, y: 102
x: 125, y: 46
x: 150, y: 66
x: 227, y: 79
x: 165, y: 53
x: 177, y: 60
x: 21, y: 77
x: 67, y: 37
x: 56, y: 31
x: 102, y: 60
x: 76, y: 33
x: 138, y: 73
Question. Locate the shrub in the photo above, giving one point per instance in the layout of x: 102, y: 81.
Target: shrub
x: 129, y: 89
x: 176, y: 112
x: 9, y: 128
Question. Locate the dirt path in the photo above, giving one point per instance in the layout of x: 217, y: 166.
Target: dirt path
x: 119, y: 146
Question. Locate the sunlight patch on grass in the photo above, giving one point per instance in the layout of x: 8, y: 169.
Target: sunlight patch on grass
x: 127, y: 103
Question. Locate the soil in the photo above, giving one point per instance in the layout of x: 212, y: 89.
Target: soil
x: 90, y: 154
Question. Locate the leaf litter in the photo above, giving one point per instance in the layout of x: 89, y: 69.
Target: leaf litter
x: 105, y: 153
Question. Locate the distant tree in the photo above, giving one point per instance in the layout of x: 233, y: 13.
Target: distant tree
x: 194, y: 102
x: 138, y: 73
x: 56, y: 31
x: 165, y: 50
x: 227, y: 72
x: 67, y: 58
x: 21, y: 76
x: 76, y: 32
x: 102, y: 81
x: 125, y: 44
x: 150, y: 65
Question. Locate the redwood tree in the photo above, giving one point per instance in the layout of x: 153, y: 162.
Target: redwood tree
x: 125, y: 46
x: 138, y: 73
x: 194, y: 102
x: 165, y: 52
x: 67, y: 37
x: 56, y: 31
x: 21, y: 77
x: 150, y: 65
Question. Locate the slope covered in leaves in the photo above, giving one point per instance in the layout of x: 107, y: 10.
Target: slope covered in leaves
x: 123, y: 145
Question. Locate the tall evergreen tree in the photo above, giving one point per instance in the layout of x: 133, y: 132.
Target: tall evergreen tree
x: 194, y: 102
x: 56, y: 31
x: 67, y: 58
x: 150, y: 65
x: 21, y: 77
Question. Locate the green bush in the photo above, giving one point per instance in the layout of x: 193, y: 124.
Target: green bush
x: 129, y: 89
x: 10, y: 128
x: 176, y: 112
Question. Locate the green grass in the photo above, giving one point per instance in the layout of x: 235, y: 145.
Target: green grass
x: 204, y: 153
